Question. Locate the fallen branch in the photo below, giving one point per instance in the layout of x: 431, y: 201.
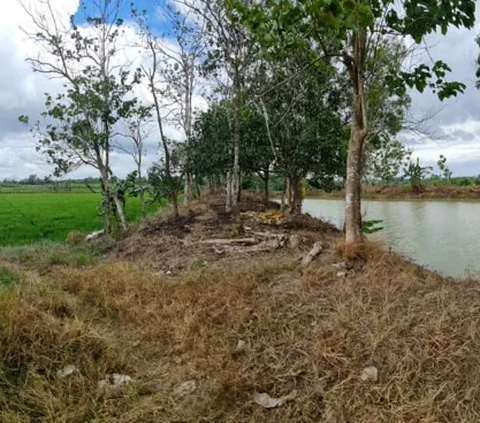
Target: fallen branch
x: 234, y: 241
x: 314, y: 252
x: 268, y: 235
x: 264, y: 246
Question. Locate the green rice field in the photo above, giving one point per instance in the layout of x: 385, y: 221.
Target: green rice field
x: 27, y: 218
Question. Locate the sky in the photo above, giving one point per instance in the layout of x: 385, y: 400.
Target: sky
x: 454, y: 131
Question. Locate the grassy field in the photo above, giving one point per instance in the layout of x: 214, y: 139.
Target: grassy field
x: 26, y: 218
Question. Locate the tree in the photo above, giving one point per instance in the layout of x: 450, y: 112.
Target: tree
x: 180, y: 74
x: 229, y: 50
x: 301, y: 120
x: 446, y: 173
x: 385, y: 159
x: 137, y: 129
x: 257, y: 155
x: 416, y: 173
x: 152, y: 71
x: 210, y: 146
x: 97, y: 92
x: 166, y: 184
x: 352, y: 32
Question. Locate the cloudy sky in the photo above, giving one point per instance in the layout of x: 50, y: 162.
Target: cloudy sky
x: 453, y: 132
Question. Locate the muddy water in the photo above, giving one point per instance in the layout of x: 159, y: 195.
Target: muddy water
x: 441, y: 235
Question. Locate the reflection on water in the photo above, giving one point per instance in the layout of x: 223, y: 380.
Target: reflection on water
x: 441, y: 235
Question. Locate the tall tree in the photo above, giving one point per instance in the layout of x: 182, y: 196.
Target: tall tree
x: 352, y: 32
x: 180, y: 73
x: 137, y: 128
x: 229, y: 50
x: 97, y: 91
x: 152, y: 70
x: 301, y: 119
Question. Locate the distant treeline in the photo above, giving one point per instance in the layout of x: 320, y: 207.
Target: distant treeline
x: 34, y: 183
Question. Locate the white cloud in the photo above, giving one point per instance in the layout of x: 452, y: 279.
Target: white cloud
x: 22, y: 92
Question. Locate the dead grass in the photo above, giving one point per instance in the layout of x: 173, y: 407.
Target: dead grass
x: 310, y: 330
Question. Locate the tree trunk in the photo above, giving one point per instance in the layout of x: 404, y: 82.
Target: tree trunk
x: 175, y: 206
x: 284, y: 194
x: 353, y: 214
x: 296, y: 197
x: 234, y: 180
x: 121, y: 211
x: 198, y: 192
x: 266, y: 193
x: 187, y: 189
x: 153, y: 91
x: 239, y: 190
x: 288, y: 189
x: 229, y: 199
x: 143, y: 205
x: 106, y: 200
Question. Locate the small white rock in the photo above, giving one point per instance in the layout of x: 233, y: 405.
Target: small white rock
x: 338, y: 265
x: 370, y: 374
x: 67, y: 371
x: 241, y: 346
x: 185, y: 388
x: 266, y: 401
x: 94, y: 235
x: 341, y: 274
x: 114, y: 381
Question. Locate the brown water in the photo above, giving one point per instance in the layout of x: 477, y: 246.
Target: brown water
x: 441, y: 235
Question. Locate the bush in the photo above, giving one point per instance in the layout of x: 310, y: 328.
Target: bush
x: 75, y: 237
x: 8, y: 278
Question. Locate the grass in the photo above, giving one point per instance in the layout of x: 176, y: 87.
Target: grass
x: 44, y: 255
x: 305, y: 331
x: 26, y: 218
x: 8, y: 279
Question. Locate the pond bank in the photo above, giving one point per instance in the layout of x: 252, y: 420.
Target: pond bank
x: 205, y: 330
x: 400, y: 192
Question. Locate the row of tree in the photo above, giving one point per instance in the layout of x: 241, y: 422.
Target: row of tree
x: 313, y: 89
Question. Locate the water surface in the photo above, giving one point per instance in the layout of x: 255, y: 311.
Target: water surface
x: 441, y: 235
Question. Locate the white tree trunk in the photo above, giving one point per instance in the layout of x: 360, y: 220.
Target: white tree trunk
x: 187, y: 190
x: 229, y: 193
x: 121, y: 212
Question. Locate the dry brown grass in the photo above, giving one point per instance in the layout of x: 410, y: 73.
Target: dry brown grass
x: 306, y: 330
x: 311, y: 330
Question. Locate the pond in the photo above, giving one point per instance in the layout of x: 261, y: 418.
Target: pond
x: 441, y: 235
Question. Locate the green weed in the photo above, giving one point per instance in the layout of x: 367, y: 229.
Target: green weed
x: 8, y: 278
x: 45, y: 254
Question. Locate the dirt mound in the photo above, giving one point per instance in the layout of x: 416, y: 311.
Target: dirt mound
x: 168, y: 226
x: 174, y: 245
x: 306, y: 222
